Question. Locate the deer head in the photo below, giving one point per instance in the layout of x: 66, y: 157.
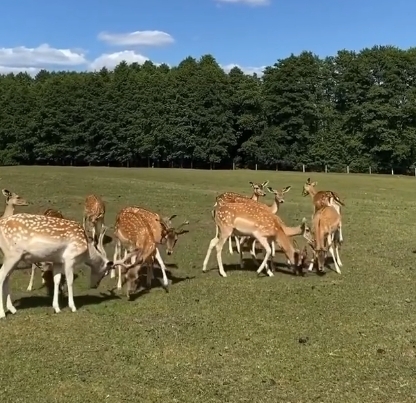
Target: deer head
x: 170, y: 234
x: 279, y: 194
x: 13, y: 199
x: 308, y: 186
x: 258, y: 188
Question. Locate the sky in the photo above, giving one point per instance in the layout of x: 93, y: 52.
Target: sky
x: 252, y: 34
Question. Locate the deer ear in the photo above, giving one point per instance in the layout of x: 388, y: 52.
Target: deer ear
x: 308, y: 181
x: 314, y: 183
x: 251, y: 183
x: 270, y: 189
x: 286, y: 189
x: 6, y: 193
x: 265, y: 183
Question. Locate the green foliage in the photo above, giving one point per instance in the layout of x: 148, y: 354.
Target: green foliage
x: 355, y: 109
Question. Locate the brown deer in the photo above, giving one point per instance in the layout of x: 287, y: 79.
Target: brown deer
x: 37, y: 238
x: 162, y: 230
x: 326, y: 225
x: 12, y: 200
x: 44, y: 266
x: 323, y: 198
x: 251, y: 220
x: 232, y: 197
x: 94, y: 212
x: 136, y: 233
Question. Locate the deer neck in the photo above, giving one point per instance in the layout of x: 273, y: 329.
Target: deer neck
x: 312, y: 192
x: 293, y: 231
x: 8, y: 211
x: 274, y: 208
x: 255, y: 197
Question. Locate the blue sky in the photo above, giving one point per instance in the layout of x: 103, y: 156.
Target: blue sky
x: 58, y: 34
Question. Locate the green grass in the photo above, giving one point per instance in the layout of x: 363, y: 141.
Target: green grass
x: 213, y: 339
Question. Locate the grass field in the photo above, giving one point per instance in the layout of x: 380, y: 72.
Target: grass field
x: 333, y: 338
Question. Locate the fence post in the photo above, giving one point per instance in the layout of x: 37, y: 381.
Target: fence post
x: 348, y: 169
x: 415, y: 171
x: 256, y: 167
x: 392, y: 171
x: 303, y: 168
x: 369, y: 170
x: 233, y: 166
x: 326, y: 169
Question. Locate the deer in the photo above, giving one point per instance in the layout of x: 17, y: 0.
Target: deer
x: 44, y: 266
x: 231, y: 197
x: 279, y: 198
x: 135, y: 232
x: 326, y: 225
x: 323, y: 198
x: 251, y: 220
x: 12, y: 200
x: 94, y: 212
x: 162, y: 230
x: 33, y: 238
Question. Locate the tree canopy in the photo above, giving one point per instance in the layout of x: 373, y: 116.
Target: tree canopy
x: 355, y: 109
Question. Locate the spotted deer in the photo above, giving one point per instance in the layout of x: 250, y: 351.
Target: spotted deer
x: 250, y: 220
x: 34, y: 238
x: 12, y: 200
x: 279, y: 198
x: 232, y: 197
x: 323, y: 198
x: 162, y: 230
x: 326, y: 225
x: 43, y: 266
x: 135, y: 233
x: 94, y: 212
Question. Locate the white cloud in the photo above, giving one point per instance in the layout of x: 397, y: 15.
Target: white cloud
x: 248, y: 2
x: 111, y: 60
x: 137, y: 38
x: 42, y: 56
x: 247, y: 70
x: 30, y: 70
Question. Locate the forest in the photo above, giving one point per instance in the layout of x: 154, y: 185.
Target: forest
x: 355, y: 109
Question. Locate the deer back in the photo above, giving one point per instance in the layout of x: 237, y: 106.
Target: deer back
x: 94, y: 207
x: 53, y: 213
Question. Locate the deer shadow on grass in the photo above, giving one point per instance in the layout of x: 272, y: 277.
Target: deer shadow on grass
x: 141, y: 286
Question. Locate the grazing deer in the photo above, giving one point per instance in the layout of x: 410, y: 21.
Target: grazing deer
x: 326, y: 224
x: 251, y: 220
x: 94, y: 212
x: 323, y: 198
x: 279, y: 198
x: 37, y: 238
x: 12, y: 200
x: 136, y: 232
x: 232, y: 197
x: 44, y: 266
x: 162, y: 230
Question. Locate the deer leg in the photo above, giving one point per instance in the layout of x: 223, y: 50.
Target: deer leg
x: 9, y: 305
x: 266, y: 246
x: 57, y: 275
x: 237, y: 243
x: 331, y: 251
x: 240, y: 252
x: 230, y: 246
x: 273, y: 248
x: 69, y: 274
x: 341, y: 239
x: 32, y: 276
x: 5, y: 300
x: 116, y: 256
x: 149, y: 276
x: 219, y: 245
x: 165, y: 281
x: 211, y: 246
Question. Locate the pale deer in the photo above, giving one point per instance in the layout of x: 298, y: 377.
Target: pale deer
x: 232, y: 197
x: 162, y: 230
x: 326, y: 225
x: 251, y: 220
x: 94, y: 212
x: 323, y: 198
x: 12, y: 200
x: 37, y: 238
x: 44, y: 266
x: 135, y: 233
x: 279, y: 198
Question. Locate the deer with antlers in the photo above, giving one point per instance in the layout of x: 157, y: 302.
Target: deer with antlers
x: 12, y: 200
x: 94, y: 212
x: 162, y: 232
x: 44, y: 266
x: 37, y: 238
x: 231, y: 197
x: 251, y: 219
x: 326, y: 225
x: 323, y: 198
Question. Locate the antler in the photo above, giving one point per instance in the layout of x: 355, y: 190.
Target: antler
x: 100, y: 244
x: 182, y: 225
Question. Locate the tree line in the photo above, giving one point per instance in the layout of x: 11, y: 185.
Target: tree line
x: 355, y: 109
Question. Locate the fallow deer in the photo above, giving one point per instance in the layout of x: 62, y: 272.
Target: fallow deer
x: 251, y: 220
x: 232, y: 197
x: 94, y: 212
x: 323, y: 198
x: 326, y: 225
x: 135, y: 232
x: 44, y: 266
x: 12, y: 200
x: 37, y: 238
x: 162, y: 230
